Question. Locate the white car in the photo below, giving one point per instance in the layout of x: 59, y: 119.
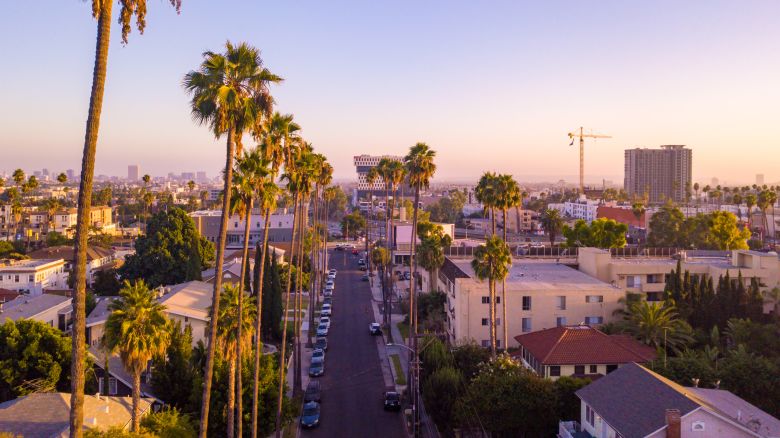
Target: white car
x: 326, y: 310
x: 331, y: 276
x: 332, y: 272
x: 325, y: 320
x: 317, y: 356
x: 327, y: 293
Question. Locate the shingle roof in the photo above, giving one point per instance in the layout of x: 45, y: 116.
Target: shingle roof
x: 575, y: 345
x: 28, y: 307
x: 48, y: 414
x: 100, y: 313
x: 450, y: 270
x: 633, y: 400
x: 66, y: 252
x: 191, y: 299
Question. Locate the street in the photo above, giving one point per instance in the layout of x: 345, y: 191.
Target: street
x: 353, y: 385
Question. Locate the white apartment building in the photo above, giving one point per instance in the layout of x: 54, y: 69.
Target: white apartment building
x: 31, y: 277
x: 647, y: 275
x: 99, y: 217
x: 540, y: 295
x: 54, y: 310
x: 280, y: 226
x: 188, y: 303
x: 402, y: 238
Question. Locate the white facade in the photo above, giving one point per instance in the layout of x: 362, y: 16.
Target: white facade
x: 584, y: 209
x: 33, y: 276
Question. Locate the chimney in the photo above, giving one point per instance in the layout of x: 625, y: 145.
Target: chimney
x: 673, y: 426
x: 695, y: 382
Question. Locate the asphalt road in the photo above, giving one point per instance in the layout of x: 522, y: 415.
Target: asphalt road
x: 353, y: 386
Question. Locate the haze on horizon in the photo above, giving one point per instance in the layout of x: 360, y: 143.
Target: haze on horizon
x: 489, y: 86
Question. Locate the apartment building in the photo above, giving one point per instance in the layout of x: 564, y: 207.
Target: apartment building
x: 583, y: 208
x: 188, y: 303
x: 402, y: 238
x: 362, y: 165
x: 54, y: 310
x: 647, y: 275
x: 662, y: 174
x: 31, y: 277
x: 99, y: 217
x: 207, y: 223
x: 540, y: 295
x: 98, y: 258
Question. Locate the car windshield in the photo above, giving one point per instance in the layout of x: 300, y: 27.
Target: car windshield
x: 322, y: 327
x: 310, y: 412
x: 318, y: 353
x: 392, y: 396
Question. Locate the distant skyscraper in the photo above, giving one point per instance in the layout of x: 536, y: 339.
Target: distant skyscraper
x: 715, y: 181
x: 132, y: 172
x: 202, y: 178
x: 663, y: 173
x: 362, y: 164
x: 71, y: 175
x: 759, y: 179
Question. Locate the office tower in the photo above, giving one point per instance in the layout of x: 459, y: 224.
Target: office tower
x: 71, y: 175
x: 132, y: 172
x: 202, y: 178
x: 759, y: 179
x: 662, y: 174
x: 362, y: 164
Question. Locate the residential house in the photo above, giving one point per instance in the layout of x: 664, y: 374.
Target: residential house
x: 646, y: 274
x: 7, y: 295
x: 96, y: 320
x: 634, y: 402
x: 207, y: 222
x: 578, y: 351
x: 98, y: 258
x: 54, y: 310
x: 100, y: 217
x: 47, y: 415
x: 31, y: 277
x: 231, y: 270
x: 540, y: 295
x: 189, y: 303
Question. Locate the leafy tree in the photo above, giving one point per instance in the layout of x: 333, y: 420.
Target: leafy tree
x: 54, y: 238
x: 601, y: 233
x: 752, y: 377
x: 568, y: 406
x: 468, y: 358
x: 106, y: 282
x: 667, y: 228
x: 139, y: 330
x: 441, y: 391
x: 171, y: 252
x: 6, y: 248
x: 434, y: 355
x: 32, y: 350
x: 448, y: 209
x: 726, y: 235
x: 353, y: 224
x: 272, y: 307
x: 174, y: 372
x: 168, y: 423
x: 552, y: 224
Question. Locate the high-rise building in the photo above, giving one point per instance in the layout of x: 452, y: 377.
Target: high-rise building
x: 362, y: 164
x: 71, y: 175
x: 661, y: 174
x: 759, y: 179
x: 201, y: 177
x: 132, y: 172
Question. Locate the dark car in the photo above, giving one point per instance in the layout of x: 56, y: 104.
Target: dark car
x: 364, y: 277
x: 321, y: 343
x: 317, y: 369
x: 375, y: 329
x: 392, y: 401
x: 355, y: 252
x: 327, y: 300
x: 311, y: 414
x: 313, y: 392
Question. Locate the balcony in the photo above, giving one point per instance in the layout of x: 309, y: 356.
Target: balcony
x: 571, y: 429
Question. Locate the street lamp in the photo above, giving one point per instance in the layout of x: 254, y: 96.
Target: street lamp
x: 415, y: 379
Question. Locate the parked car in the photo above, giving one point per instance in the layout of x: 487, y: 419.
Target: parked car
x: 327, y: 300
x: 392, y: 401
x: 326, y: 310
x: 313, y: 392
x: 361, y: 262
x: 317, y: 369
x: 329, y: 285
x: 331, y: 276
x: 321, y: 343
x: 364, y: 277
x: 322, y: 330
x: 317, y: 355
x: 311, y: 414
x: 407, y: 276
x: 327, y: 293
x: 325, y: 320
x: 332, y: 272
x: 375, y: 329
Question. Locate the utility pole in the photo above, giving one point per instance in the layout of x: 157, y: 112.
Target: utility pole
x: 582, y: 136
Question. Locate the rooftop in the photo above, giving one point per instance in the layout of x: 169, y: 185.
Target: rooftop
x: 27, y: 307
x: 66, y: 252
x: 191, y: 299
x: 100, y: 313
x: 30, y: 265
x: 576, y: 345
x: 538, y: 275
x: 633, y: 400
x: 48, y: 414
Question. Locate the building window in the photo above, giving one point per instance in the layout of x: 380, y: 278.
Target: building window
x: 485, y: 300
x: 555, y: 371
x: 560, y: 321
x: 594, y: 369
x: 31, y: 278
x: 526, y: 325
x: 611, y: 368
x: 16, y: 278
x: 594, y: 320
x: 560, y: 302
x: 594, y: 298
x: 579, y: 370
x: 654, y: 278
x: 633, y: 281
x: 486, y: 343
x: 589, y: 416
x: 526, y: 303
x: 498, y: 321
x: 485, y: 321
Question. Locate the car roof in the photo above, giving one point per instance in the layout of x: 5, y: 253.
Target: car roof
x: 311, y: 404
x: 313, y: 384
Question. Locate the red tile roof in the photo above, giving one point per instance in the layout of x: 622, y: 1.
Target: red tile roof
x: 576, y: 345
x: 622, y: 215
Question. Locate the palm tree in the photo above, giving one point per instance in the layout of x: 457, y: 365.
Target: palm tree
x: 552, y: 224
x: 371, y: 178
x: 138, y: 329
x: 486, y: 193
x: 509, y: 195
x: 430, y: 255
x: 324, y: 175
x: 230, y: 95
x: 657, y: 325
x: 395, y: 173
x: 18, y: 177
x: 736, y: 199
x: 234, y: 330
x: 251, y: 171
x: 420, y: 167
x: 191, y: 185
x: 750, y: 202
x: 492, y: 262
x: 52, y: 205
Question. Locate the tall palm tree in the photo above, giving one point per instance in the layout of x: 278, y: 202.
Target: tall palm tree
x: 750, y: 202
x: 492, y: 262
x: 509, y: 196
x: 657, y: 325
x: 234, y: 330
x: 52, y: 205
x: 395, y: 173
x: 324, y: 176
x: 552, y: 224
x: 229, y: 94
x: 101, y: 10
x: 138, y: 329
x: 487, y: 192
x: 250, y: 173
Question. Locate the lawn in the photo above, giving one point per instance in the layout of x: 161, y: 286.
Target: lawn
x: 404, y: 329
x: 400, y: 378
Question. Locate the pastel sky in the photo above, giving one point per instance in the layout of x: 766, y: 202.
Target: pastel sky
x: 490, y: 85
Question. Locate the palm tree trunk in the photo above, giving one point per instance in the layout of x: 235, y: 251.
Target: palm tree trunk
x: 136, y: 420
x: 239, y: 335
x: 259, y: 326
x: 413, y: 267
x: 299, y: 302
x: 82, y: 228
x: 282, y: 358
x: 316, y: 276
x: 503, y: 299
x: 492, y: 287
x: 231, y: 401
x: 388, y: 284
x: 212, y: 333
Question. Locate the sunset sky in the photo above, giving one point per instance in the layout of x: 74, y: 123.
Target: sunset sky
x: 490, y: 85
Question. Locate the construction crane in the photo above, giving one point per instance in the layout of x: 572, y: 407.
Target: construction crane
x: 582, y: 136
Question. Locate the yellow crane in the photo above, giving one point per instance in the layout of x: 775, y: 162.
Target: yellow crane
x: 582, y: 136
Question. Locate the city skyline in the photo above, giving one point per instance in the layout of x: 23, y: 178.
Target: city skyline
x: 534, y: 74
